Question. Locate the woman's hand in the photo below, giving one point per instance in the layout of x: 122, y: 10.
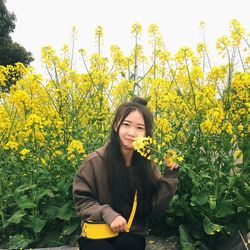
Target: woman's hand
x: 173, y: 165
x: 119, y: 224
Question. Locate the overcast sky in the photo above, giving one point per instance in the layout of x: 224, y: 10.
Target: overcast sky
x: 49, y: 22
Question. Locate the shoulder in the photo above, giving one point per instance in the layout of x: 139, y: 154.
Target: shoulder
x: 99, y: 153
x: 94, y: 160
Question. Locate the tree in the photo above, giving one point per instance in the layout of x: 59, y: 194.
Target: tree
x: 10, y: 52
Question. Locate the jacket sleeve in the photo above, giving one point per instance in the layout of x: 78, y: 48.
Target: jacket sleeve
x: 85, y: 195
x: 166, y: 189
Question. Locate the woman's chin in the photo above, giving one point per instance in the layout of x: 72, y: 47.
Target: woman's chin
x: 127, y: 146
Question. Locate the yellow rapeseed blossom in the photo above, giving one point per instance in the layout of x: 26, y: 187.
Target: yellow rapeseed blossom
x: 183, y: 54
x: 214, y: 120
x: 118, y: 57
x: 141, y: 142
x: 217, y: 74
x: 155, y: 35
x: 75, y: 146
x: 144, y: 146
x: 3, y: 72
x: 237, y: 32
x: 222, y: 44
x: 49, y: 56
x: 201, y: 47
x: 11, y: 145
x: 202, y: 25
x: 33, y: 119
x: 238, y: 156
x: 24, y: 151
x: 136, y: 29
x: 99, y: 31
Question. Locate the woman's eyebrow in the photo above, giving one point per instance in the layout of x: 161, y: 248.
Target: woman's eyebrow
x: 140, y: 124
x: 127, y: 121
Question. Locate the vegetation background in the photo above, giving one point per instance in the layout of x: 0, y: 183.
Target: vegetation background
x: 50, y: 122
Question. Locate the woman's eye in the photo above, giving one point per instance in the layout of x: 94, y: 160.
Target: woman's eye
x: 141, y: 128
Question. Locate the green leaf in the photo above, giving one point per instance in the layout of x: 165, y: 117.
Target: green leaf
x: 43, y: 192
x: 5, y: 224
x: 37, y: 224
x: 24, y: 187
x: 66, y: 211
x: 185, y: 239
x: 63, y: 187
x: 212, y: 201
x: 25, y: 203
x: 241, y: 201
x: 225, y: 208
x: 231, y: 180
x: 209, y: 227
x: 51, y: 211
x: 203, y: 161
x: 18, y: 242
x: 16, y: 217
x: 69, y: 229
x: 199, y: 199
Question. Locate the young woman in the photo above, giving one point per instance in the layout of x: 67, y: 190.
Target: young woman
x: 105, y: 185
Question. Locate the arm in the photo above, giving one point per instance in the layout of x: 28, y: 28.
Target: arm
x: 85, y: 194
x: 166, y: 189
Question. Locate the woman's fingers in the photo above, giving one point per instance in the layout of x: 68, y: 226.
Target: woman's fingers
x: 119, y: 224
x: 174, y: 166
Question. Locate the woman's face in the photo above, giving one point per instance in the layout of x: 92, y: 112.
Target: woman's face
x: 132, y: 127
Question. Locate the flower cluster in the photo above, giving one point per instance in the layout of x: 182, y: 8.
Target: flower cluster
x: 74, y: 148
x: 147, y: 147
x: 142, y: 146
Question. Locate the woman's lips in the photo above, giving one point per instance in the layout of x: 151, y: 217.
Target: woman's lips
x: 130, y: 140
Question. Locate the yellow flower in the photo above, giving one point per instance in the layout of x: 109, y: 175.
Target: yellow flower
x: 24, y: 151
x: 75, y: 146
x: 172, y: 157
x: 99, y: 31
x: 238, y: 156
x: 240, y: 127
x: 136, y: 28
x: 144, y: 146
x: 141, y: 142
x: 11, y: 145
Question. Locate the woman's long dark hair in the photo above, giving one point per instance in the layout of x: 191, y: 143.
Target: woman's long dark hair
x: 123, y: 181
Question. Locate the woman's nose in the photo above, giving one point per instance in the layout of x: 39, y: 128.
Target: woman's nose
x: 131, y: 132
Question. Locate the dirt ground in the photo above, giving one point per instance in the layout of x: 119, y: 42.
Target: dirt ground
x: 159, y: 243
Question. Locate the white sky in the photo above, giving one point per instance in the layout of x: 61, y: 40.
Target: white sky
x: 49, y: 22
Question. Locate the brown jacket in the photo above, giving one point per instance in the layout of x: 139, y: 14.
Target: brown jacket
x: 92, y: 198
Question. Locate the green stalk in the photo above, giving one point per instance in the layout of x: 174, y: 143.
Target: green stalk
x: 192, y: 87
x: 1, y: 203
x: 241, y: 60
x: 178, y: 88
x: 206, y: 53
x: 72, y: 51
x: 135, y: 57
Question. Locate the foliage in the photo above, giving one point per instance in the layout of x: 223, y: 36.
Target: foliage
x: 49, y: 124
x: 10, y: 52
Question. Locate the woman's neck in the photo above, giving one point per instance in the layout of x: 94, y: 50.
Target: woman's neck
x: 127, y: 154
